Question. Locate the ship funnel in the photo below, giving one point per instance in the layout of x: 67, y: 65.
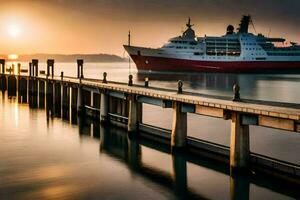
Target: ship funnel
x: 244, y: 25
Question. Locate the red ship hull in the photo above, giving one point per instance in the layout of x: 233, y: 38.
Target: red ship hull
x: 149, y: 63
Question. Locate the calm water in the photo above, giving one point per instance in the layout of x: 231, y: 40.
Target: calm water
x: 53, y: 159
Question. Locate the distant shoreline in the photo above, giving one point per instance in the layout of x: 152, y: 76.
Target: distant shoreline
x: 62, y: 58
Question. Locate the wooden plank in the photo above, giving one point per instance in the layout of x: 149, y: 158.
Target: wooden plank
x: 209, y: 111
x: 274, y: 122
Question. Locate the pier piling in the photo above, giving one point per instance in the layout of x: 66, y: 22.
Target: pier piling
x: 103, y: 107
x: 133, y: 114
x: 22, y: 90
x: 2, y: 63
x: 12, y: 86
x: 179, y: 127
x: 239, y: 143
x: 41, y: 93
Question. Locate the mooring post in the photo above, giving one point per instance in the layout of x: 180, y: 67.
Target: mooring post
x: 80, y: 68
x: 146, y: 82
x: 130, y: 81
x: 103, y: 107
x: 179, y: 127
x: 133, y: 114
x: 236, y: 92
x: 35, y: 64
x: 180, y: 85
x: 239, y: 143
x: 104, y: 80
x: 2, y: 63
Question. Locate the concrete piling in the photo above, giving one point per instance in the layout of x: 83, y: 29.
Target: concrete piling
x: 73, y: 105
x: 49, y: 97
x: 179, y: 174
x: 103, y: 107
x: 57, y: 99
x: 2, y: 64
x: 80, y: 101
x: 22, y: 90
x: 12, y: 86
x: 41, y: 93
x: 3, y: 82
x: 239, y: 143
x: 65, y: 101
x: 133, y: 114
x: 33, y: 93
x: 179, y: 127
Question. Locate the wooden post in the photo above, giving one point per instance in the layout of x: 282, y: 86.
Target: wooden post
x: 133, y: 114
x: 239, y: 143
x: 80, y: 68
x: 50, y: 64
x: 103, y: 107
x: 179, y: 127
x: 35, y: 64
x: 2, y: 63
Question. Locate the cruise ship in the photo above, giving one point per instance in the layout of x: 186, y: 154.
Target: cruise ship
x: 236, y: 51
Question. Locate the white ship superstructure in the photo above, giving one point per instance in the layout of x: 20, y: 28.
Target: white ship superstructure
x: 238, y: 51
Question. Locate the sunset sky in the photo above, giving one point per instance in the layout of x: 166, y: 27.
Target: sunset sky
x: 101, y: 26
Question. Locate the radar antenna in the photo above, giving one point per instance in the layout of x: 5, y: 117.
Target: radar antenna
x: 189, y: 25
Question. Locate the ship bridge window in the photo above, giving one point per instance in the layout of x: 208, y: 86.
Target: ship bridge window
x: 193, y: 43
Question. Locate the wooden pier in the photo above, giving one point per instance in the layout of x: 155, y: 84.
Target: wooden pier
x: 121, y: 104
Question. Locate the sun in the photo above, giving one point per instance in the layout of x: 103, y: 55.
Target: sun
x: 14, y: 30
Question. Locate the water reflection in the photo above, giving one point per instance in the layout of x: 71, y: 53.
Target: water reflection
x: 116, y: 143
x: 272, y: 87
x: 55, y: 159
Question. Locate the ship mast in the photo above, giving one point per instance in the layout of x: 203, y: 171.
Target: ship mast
x: 129, y: 64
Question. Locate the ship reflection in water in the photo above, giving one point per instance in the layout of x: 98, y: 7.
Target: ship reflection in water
x: 271, y: 87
